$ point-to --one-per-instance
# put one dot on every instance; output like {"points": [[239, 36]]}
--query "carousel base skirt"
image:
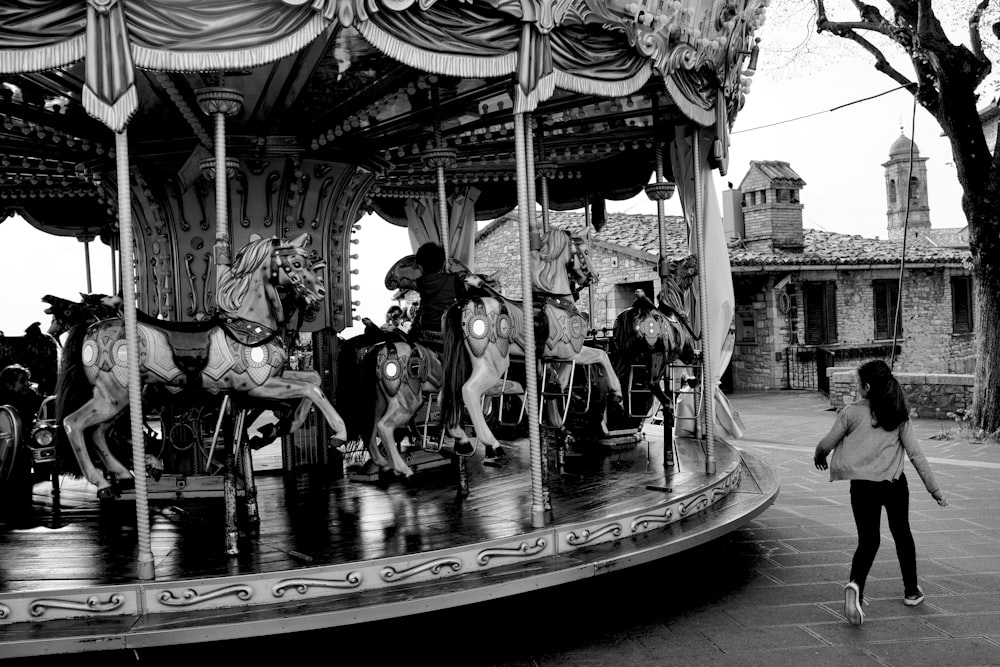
{"points": [[332, 552]]}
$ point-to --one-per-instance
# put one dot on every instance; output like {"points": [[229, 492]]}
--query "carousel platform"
{"points": [[331, 552]]}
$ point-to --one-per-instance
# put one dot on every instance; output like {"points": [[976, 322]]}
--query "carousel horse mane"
{"points": [[680, 275], [549, 272], [243, 278]]}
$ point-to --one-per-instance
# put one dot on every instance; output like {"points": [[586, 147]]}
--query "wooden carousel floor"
{"points": [[309, 521]]}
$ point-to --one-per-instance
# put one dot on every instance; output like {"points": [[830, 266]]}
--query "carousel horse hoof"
{"points": [[154, 472], [465, 449], [109, 493], [338, 443], [495, 452]]}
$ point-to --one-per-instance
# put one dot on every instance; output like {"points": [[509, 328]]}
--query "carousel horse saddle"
{"points": [[505, 388], [189, 341]]}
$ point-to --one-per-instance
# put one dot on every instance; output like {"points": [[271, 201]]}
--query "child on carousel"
{"points": [[438, 290]]}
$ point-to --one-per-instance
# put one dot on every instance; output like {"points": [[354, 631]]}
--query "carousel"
{"points": [[226, 151]]}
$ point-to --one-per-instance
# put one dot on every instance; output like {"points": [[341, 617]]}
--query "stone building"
{"points": [[806, 299]]}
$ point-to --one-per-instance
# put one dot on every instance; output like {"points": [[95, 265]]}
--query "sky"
{"points": [[838, 153]]}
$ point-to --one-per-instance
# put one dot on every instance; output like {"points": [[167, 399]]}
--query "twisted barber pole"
{"points": [[707, 377], [146, 567], [220, 102], [439, 157], [527, 303]]}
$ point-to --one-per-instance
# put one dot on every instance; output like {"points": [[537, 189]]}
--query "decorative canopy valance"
{"points": [[598, 47]]}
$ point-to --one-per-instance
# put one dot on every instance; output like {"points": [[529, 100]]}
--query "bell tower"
{"points": [[902, 182]]}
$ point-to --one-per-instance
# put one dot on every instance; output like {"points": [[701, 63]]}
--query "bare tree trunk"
{"points": [[986, 404]]}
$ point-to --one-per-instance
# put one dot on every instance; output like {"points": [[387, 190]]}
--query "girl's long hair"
{"points": [[885, 397]]}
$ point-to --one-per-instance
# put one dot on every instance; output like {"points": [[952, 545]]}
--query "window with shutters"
{"points": [[746, 325], [885, 296], [961, 304], [821, 312]]}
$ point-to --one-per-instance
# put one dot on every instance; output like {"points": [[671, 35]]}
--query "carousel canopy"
{"points": [[383, 82]]}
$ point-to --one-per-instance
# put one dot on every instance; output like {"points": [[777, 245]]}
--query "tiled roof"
{"points": [[638, 234], [950, 237], [776, 172]]}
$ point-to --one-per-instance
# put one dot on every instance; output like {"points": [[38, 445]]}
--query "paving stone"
{"points": [[793, 614], [967, 625], [894, 629], [832, 656], [748, 639], [938, 652]]}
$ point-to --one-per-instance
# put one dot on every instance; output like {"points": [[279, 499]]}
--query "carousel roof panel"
{"points": [[325, 81]]}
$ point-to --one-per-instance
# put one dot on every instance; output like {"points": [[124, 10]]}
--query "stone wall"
{"points": [[754, 364], [497, 253], [931, 395], [928, 344]]}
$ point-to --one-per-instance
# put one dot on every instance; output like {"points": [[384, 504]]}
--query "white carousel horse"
{"points": [[481, 334], [240, 350]]}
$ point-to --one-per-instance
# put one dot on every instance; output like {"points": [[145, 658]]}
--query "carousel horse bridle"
{"points": [[287, 259], [580, 256]]}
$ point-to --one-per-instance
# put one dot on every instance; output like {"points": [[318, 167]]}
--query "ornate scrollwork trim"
{"points": [[643, 520], [588, 536], [4, 612], [91, 605], [694, 505], [302, 585], [192, 597], [523, 550], [390, 573]]}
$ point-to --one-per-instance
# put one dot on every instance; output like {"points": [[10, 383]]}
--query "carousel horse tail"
{"points": [[455, 366], [72, 391], [346, 396], [361, 420]]}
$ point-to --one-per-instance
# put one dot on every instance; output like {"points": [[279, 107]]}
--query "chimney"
{"points": [[732, 214], [772, 212]]}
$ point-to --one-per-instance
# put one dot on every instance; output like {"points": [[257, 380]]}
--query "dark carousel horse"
{"points": [[651, 337], [239, 351]]}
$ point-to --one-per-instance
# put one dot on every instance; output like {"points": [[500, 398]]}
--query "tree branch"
{"points": [[974, 37], [846, 31]]}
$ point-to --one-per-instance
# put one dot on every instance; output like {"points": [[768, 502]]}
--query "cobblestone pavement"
{"points": [[768, 594], [772, 593]]}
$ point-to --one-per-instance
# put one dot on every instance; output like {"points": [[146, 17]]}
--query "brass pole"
{"points": [[86, 256], [707, 380], [145, 566], [530, 362]]}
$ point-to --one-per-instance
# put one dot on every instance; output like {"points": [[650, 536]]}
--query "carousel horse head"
{"points": [[295, 267], [564, 264], [263, 273], [581, 268], [92, 307]]}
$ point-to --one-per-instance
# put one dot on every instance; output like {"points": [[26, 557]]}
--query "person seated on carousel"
{"points": [[393, 319], [17, 391], [438, 290]]}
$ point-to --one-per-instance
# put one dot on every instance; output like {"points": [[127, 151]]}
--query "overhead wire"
{"points": [[817, 113]]}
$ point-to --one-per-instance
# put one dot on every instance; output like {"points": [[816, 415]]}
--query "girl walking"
{"points": [[868, 441]]}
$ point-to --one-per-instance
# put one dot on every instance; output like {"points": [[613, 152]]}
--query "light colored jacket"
{"points": [[864, 451]]}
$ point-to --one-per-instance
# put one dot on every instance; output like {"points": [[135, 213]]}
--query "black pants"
{"points": [[867, 501]]}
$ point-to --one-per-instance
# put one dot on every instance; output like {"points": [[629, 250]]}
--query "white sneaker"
{"points": [[852, 604], [913, 599]]}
